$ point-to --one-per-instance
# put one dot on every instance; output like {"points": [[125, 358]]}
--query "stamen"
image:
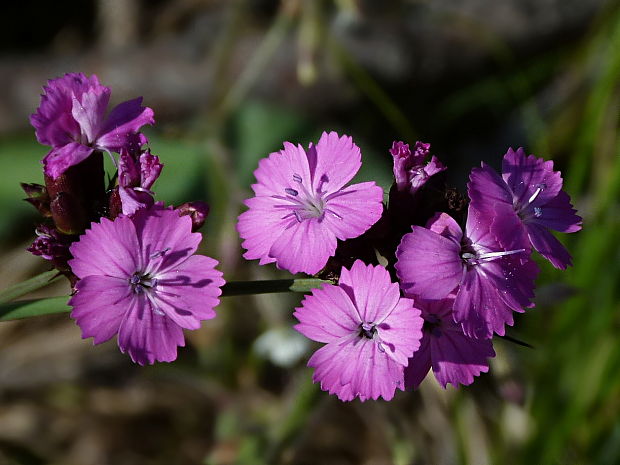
{"points": [[537, 212], [296, 178], [368, 330], [292, 192], [499, 254], [298, 216], [539, 189], [161, 253]]}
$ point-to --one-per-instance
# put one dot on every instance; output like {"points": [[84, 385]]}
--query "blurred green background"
{"points": [[229, 81]]}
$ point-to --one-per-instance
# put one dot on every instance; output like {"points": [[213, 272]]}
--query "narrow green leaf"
{"points": [[30, 285], [34, 307]]}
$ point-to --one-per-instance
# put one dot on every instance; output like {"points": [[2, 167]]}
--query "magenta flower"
{"points": [[136, 175], [490, 278], [534, 191], [71, 119], [455, 358], [139, 279], [369, 330], [302, 208], [410, 170]]}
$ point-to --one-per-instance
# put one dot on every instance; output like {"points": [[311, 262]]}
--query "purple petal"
{"points": [[190, 291], [259, 226], [444, 225], [304, 247], [119, 258], [276, 173], [327, 315], [457, 359], [558, 214], [419, 364], [53, 122], [353, 210], [89, 110], [150, 169], [428, 265], [372, 291], [99, 306], [148, 337], [59, 159], [133, 200], [337, 161], [524, 174], [548, 246], [164, 234], [370, 372], [478, 306], [123, 121], [401, 331]]}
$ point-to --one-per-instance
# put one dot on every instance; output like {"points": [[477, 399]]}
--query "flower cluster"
{"points": [[131, 260], [460, 285], [463, 264]]}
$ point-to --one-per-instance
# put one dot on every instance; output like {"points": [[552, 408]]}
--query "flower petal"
{"points": [[428, 264], [59, 159], [337, 159], [548, 246], [189, 292], [304, 247], [161, 230], [419, 364], [524, 174], [371, 289], [89, 110], [353, 210], [457, 359], [401, 331], [559, 214], [119, 258], [259, 227], [100, 305], [148, 337], [327, 315], [123, 121]]}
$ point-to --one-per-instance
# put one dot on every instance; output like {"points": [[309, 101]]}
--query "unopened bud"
{"points": [[198, 212]]}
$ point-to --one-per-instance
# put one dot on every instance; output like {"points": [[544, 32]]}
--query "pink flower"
{"points": [[369, 330], [530, 188], [491, 278], [139, 279], [72, 120], [301, 208], [455, 358]]}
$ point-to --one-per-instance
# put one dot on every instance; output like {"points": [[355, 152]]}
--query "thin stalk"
{"points": [[30, 285], [36, 307]]}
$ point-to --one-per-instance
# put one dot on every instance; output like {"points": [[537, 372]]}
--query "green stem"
{"points": [[30, 285], [36, 307]]}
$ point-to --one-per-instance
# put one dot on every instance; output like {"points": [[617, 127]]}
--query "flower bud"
{"points": [[198, 212]]}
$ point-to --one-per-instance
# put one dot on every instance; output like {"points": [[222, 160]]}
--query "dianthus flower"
{"points": [[369, 330], [410, 169], [490, 278], [72, 120], [139, 279], [455, 358], [534, 191], [302, 208]]}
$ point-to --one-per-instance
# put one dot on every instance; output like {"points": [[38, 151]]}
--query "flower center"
{"points": [[472, 257], [525, 210], [141, 282], [305, 203], [432, 324], [368, 330]]}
